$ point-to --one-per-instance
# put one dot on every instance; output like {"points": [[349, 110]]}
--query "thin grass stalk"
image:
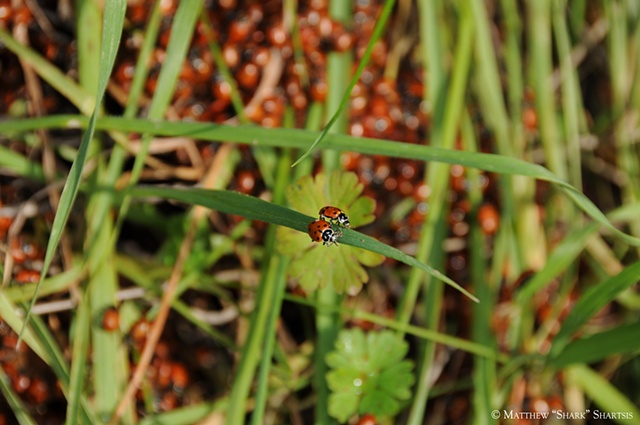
{"points": [[252, 350], [104, 199], [329, 323], [113, 12], [13, 400], [431, 46], [280, 264], [110, 367], [417, 331], [107, 368], [514, 76], [223, 68], [79, 355], [438, 179], [515, 193], [263, 322], [571, 99], [184, 24], [617, 14], [438, 174], [539, 40], [484, 370]]}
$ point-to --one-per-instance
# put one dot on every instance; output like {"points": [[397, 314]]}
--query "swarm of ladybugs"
{"points": [[320, 230]]}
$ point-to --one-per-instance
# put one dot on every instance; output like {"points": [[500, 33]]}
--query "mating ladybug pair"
{"points": [[321, 231]]}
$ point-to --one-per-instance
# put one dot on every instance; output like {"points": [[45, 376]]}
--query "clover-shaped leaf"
{"points": [[315, 265], [368, 374]]}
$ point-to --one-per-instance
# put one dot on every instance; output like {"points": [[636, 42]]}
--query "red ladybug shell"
{"points": [[321, 231], [334, 214]]}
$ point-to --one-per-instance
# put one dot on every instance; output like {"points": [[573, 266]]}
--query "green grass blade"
{"points": [[184, 22], [377, 32], [12, 161], [181, 30], [607, 397], [279, 265], [114, 16], [52, 75], [51, 285], [559, 260], [592, 301], [299, 139], [256, 209], [15, 322], [619, 340], [418, 331], [14, 402], [187, 415], [79, 355]]}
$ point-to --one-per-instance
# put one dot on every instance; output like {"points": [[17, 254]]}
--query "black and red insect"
{"points": [[334, 215], [321, 231]]}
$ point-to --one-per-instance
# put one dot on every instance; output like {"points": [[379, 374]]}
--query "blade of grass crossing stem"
{"points": [[181, 32], [256, 209], [114, 16], [592, 301], [607, 397], [79, 354], [295, 138], [377, 32]]}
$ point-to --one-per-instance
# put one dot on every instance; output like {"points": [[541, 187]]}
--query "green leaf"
{"points": [[619, 340], [343, 405], [315, 265], [607, 397], [385, 350], [379, 404], [593, 300], [368, 374]]}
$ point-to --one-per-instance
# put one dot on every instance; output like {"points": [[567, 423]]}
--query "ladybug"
{"points": [[320, 230], [335, 215]]}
